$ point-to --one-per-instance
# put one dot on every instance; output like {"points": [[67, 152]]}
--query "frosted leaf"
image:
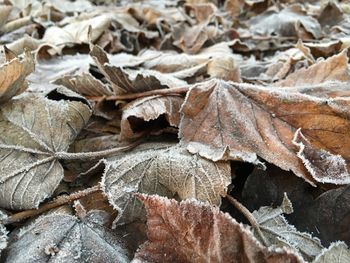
{"points": [[132, 81], [337, 252], [191, 231], [13, 74], [277, 231], [65, 238], [163, 169], [223, 120], [3, 234], [150, 114], [33, 128]]}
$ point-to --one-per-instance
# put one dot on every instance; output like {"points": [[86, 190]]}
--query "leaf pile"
{"points": [[174, 131]]}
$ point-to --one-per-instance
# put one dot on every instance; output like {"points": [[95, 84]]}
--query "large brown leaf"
{"points": [[164, 169], [33, 128], [13, 74], [223, 120], [150, 114], [191, 231]]}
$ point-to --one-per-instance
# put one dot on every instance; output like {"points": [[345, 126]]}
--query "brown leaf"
{"points": [[13, 76], [224, 68], [230, 121], [334, 68], [150, 114], [33, 128], [164, 169], [191, 231]]}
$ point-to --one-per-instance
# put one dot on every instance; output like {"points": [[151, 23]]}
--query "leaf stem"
{"points": [[62, 200], [249, 216]]}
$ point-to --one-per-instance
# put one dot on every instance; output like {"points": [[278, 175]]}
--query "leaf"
{"points": [[132, 81], [5, 11], [33, 129], [223, 120], [191, 231], [65, 238], [3, 234], [337, 252], [279, 232], [334, 68], [290, 21], [150, 114], [13, 74], [164, 169]]}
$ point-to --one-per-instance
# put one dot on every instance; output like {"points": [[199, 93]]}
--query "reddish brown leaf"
{"points": [[150, 114], [191, 231], [222, 120]]}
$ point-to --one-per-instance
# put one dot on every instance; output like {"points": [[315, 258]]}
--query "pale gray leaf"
{"points": [[337, 252], [163, 169]]}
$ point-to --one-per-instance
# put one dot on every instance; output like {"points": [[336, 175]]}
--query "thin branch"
{"points": [[248, 215], [93, 155], [62, 200], [132, 96]]}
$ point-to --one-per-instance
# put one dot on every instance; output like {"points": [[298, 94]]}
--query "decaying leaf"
{"points": [[131, 81], [13, 76], [191, 231], [163, 169], [33, 130], [65, 238], [337, 252], [3, 234], [150, 114], [334, 68], [277, 231], [223, 120]]}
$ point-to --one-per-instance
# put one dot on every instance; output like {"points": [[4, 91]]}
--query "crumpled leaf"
{"points": [[191, 231], [33, 129], [163, 169], [132, 81], [337, 252], [334, 68], [65, 238], [13, 74], [3, 234], [150, 114], [277, 231], [290, 21], [223, 120]]}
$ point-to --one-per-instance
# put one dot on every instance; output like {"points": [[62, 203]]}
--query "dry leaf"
{"points": [[65, 238], [132, 81], [150, 114], [277, 231], [163, 169], [191, 231], [333, 69], [33, 129], [13, 76], [224, 120], [337, 252], [3, 234]]}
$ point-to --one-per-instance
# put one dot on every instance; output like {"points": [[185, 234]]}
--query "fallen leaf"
{"points": [[33, 129], [334, 68], [223, 120], [337, 252], [3, 234], [191, 231], [65, 238], [150, 114], [13, 76], [277, 231], [164, 169]]}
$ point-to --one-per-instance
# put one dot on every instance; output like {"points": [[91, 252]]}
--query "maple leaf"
{"points": [[223, 120], [164, 169], [191, 231]]}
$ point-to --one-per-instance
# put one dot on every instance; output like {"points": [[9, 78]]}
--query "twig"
{"points": [[132, 96], [248, 215], [62, 200]]}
